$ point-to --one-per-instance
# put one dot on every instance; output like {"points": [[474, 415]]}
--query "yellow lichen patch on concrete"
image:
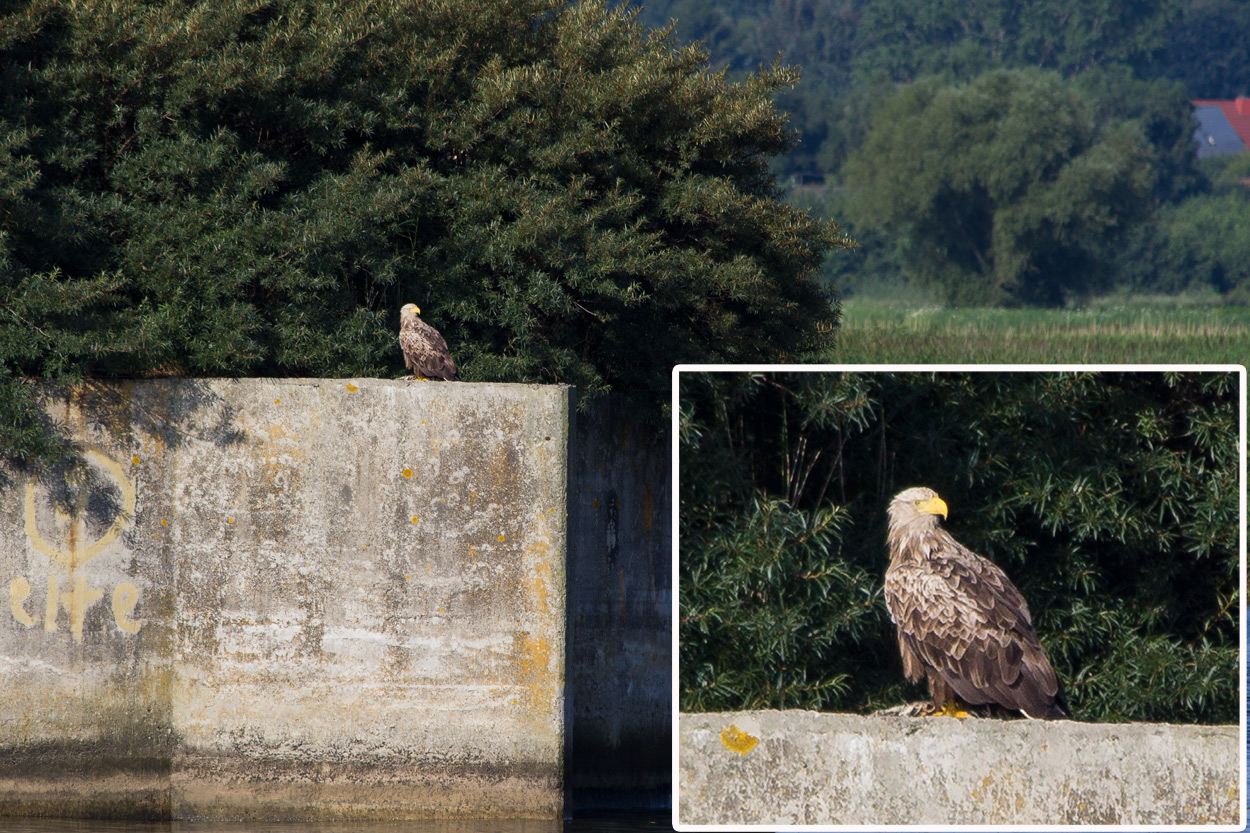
{"points": [[277, 431], [351, 388], [736, 740], [406, 472], [534, 672], [538, 585]]}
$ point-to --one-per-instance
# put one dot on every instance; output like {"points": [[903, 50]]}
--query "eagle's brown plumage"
{"points": [[425, 350], [961, 622]]}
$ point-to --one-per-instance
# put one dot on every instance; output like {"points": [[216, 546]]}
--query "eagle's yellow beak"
{"points": [[933, 506], [416, 309]]}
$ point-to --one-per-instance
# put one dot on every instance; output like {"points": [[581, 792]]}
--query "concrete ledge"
{"points": [[786, 768]]}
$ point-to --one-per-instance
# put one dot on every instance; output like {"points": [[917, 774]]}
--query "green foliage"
{"points": [[1015, 196], [754, 565], [751, 586], [1111, 499], [853, 51], [227, 188], [1199, 244], [1208, 50], [1136, 65], [911, 38], [1164, 114], [876, 261], [1207, 241]]}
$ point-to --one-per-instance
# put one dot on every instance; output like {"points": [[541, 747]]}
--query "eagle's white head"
{"points": [[915, 508]]}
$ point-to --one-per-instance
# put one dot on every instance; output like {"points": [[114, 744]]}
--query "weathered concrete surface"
{"points": [[807, 768], [289, 599], [619, 695]]}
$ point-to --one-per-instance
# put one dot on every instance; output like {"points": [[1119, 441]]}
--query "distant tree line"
{"points": [[1114, 197], [1110, 499]]}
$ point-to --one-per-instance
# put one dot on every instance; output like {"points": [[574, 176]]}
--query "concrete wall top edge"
{"points": [[310, 380], [810, 768], [1005, 724]]}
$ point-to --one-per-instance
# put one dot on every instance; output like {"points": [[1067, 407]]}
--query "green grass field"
{"points": [[1130, 333]]}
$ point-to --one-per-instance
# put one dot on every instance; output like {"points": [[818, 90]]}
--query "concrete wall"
{"points": [[805, 768], [289, 598], [620, 613]]}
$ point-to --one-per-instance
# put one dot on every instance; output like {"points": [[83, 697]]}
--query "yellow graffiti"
{"points": [[75, 602], [125, 597], [19, 591], [75, 555]]}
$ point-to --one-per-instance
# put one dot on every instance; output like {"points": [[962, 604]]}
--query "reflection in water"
{"points": [[656, 822]]}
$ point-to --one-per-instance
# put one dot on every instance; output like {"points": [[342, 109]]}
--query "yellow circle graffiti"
{"points": [[80, 552]]}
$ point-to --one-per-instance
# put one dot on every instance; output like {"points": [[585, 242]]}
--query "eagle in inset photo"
{"points": [[425, 349], [961, 622]]}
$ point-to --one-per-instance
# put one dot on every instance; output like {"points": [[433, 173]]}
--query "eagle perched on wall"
{"points": [[425, 349], [961, 622]]}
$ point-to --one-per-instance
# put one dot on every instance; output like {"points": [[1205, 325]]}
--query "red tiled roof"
{"points": [[1236, 111]]}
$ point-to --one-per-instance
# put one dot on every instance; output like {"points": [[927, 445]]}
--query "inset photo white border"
{"points": [[756, 735]]}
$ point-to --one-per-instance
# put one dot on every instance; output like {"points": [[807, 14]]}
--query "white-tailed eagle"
{"points": [[425, 349], [961, 622]]}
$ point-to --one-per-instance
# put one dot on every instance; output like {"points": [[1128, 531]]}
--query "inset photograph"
{"points": [[961, 596]]}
